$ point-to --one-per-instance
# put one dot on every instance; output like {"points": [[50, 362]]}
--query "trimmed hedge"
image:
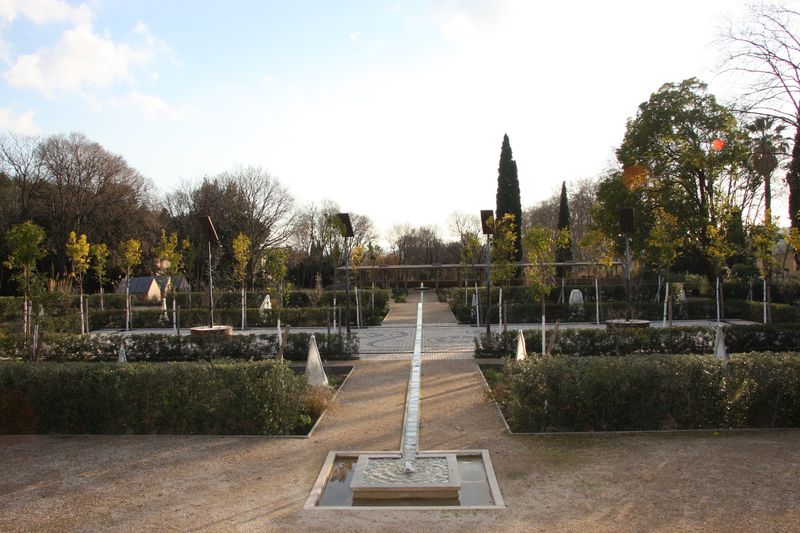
{"points": [[783, 292], [292, 298], [263, 398], [676, 340], [689, 310], [651, 393], [298, 317], [94, 348]]}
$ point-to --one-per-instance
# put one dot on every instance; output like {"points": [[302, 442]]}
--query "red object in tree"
{"points": [[717, 145]]}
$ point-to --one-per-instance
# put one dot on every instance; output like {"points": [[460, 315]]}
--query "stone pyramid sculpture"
{"points": [[522, 353], [315, 373], [720, 350]]}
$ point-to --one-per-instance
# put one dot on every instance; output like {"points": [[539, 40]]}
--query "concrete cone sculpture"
{"points": [[720, 350], [522, 353], [122, 357], [315, 373]]}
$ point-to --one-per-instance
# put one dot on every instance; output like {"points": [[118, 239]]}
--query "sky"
{"points": [[392, 109]]}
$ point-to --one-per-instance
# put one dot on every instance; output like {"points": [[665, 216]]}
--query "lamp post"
{"points": [[487, 216], [626, 229], [211, 235], [346, 227]]}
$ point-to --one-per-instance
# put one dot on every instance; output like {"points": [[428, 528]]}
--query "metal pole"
{"points": [[488, 316], [347, 286], [627, 278], [210, 290]]}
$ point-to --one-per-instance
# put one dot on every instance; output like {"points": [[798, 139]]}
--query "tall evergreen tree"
{"points": [[508, 199], [564, 250]]}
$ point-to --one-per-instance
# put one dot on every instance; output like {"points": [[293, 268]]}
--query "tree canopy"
{"points": [[686, 153]]}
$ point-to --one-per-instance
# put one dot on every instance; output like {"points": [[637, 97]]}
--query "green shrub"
{"points": [[651, 392], [263, 398], [94, 348], [298, 317], [647, 310], [676, 340]]}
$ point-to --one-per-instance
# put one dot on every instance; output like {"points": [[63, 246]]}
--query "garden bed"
{"points": [[655, 392], [217, 398]]}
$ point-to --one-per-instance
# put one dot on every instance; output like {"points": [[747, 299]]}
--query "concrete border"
{"points": [[327, 466]]}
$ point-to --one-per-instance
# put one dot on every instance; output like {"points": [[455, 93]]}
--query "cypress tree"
{"points": [[564, 252], [793, 180], [508, 198]]}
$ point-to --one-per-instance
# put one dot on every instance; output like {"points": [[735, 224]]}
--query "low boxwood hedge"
{"points": [[689, 310], [298, 317], [677, 340], [260, 398], [650, 392], [96, 348]]}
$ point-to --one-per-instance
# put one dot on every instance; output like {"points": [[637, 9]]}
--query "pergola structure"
{"points": [[435, 275]]}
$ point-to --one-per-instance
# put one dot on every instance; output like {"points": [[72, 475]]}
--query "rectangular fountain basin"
{"points": [[380, 477]]}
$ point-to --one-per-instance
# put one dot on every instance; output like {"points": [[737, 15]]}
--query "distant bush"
{"points": [[262, 398], [675, 340], [651, 392], [647, 310]]}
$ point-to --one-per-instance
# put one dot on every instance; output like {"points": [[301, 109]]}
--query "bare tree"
{"points": [[20, 160], [264, 209], [91, 190], [764, 51], [582, 193]]}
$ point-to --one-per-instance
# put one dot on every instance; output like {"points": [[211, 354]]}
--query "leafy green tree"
{"points": [[763, 237], [242, 252], [564, 252], [768, 146], [504, 248], [508, 195], [130, 255], [540, 245], [695, 163], [664, 244], [169, 254], [25, 248], [77, 250], [598, 248], [99, 260]]}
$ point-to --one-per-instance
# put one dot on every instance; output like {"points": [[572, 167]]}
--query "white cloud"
{"points": [[43, 11], [149, 105], [354, 36], [17, 122], [81, 59], [84, 61]]}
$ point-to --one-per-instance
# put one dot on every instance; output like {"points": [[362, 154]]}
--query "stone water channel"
{"points": [[410, 477]]}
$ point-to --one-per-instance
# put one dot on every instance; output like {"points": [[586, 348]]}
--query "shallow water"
{"points": [[474, 487]]}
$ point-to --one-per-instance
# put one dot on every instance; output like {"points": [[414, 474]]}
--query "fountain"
{"points": [[408, 478], [411, 475]]}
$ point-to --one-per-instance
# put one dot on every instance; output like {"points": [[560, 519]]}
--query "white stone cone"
{"points": [[315, 373], [522, 353], [720, 351], [121, 356]]}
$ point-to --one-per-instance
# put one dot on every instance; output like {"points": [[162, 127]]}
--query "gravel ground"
{"points": [[745, 481]]}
